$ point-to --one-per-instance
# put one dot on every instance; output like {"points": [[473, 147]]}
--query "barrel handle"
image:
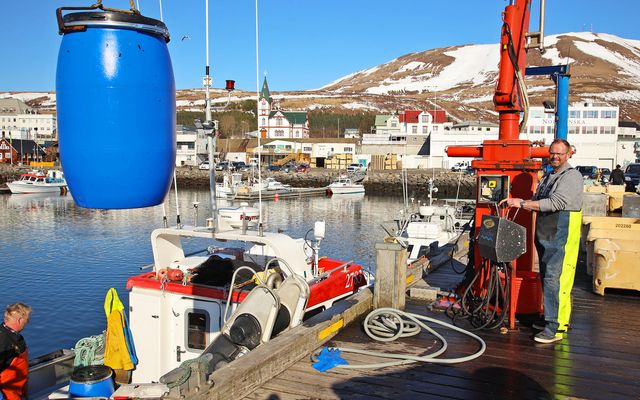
{"points": [[62, 28]]}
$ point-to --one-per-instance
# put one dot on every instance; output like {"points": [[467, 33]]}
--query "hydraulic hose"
{"points": [[388, 324]]}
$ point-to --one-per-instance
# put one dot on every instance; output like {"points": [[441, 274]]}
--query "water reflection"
{"points": [[62, 259]]}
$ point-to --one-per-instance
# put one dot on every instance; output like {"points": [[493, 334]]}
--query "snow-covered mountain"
{"points": [[460, 79]]}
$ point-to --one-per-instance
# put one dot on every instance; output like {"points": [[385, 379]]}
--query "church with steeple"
{"points": [[274, 123]]}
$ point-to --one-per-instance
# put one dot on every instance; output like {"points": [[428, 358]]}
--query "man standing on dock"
{"points": [[558, 203], [617, 176], [14, 361]]}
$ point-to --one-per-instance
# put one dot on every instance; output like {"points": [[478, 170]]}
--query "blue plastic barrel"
{"points": [[116, 109], [91, 381]]}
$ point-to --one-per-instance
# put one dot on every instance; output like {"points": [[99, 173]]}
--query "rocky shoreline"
{"points": [[379, 182]]}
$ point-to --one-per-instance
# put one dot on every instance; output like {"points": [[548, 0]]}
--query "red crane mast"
{"points": [[507, 167]]}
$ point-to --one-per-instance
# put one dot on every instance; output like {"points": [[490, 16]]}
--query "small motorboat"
{"points": [[229, 186], [344, 185], [36, 181]]}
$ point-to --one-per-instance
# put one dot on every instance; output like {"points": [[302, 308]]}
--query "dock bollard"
{"points": [[391, 276]]}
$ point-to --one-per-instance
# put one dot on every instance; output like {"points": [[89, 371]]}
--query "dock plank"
{"points": [[598, 358]]}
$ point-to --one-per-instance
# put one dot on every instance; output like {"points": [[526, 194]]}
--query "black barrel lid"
{"points": [[91, 374], [114, 19]]}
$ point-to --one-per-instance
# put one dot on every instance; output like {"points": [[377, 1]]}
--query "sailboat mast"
{"points": [[260, 227], [210, 126]]}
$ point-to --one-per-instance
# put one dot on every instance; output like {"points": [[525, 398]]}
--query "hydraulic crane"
{"points": [[507, 167]]}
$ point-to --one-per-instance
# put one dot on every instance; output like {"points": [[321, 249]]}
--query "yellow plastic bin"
{"points": [[616, 200], [616, 264], [606, 228]]}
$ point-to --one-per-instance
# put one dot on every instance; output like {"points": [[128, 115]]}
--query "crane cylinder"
{"points": [[116, 109]]}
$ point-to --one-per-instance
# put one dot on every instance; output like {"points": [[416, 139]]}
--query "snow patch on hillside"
{"points": [[553, 55], [627, 66], [480, 99], [413, 65], [25, 96], [359, 106], [622, 95]]}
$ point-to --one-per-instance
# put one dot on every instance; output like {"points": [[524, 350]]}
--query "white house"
{"points": [[274, 123], [186, 138], [466, 133], [406, 133], [19, 121]]}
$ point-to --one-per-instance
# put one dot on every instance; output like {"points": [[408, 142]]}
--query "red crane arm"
{"points": [[513, 60]]}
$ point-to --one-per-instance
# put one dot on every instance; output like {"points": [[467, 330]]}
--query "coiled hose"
{"points": [[388, 324]]}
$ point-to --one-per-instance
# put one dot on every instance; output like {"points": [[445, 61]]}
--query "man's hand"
{"points": [[511, 202]]}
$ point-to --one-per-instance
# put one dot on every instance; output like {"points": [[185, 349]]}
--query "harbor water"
{"points": [[61, 259]]}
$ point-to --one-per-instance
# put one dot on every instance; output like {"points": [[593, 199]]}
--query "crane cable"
{"points": [[524, 97]]}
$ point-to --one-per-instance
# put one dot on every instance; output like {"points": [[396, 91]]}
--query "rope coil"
{"points": [[388, 324]]}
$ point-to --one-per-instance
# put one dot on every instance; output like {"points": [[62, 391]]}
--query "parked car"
{"points": [[204, 165], [355, 167], [273, 168], [288, 167], [587, 171], [222, 166], [605, 175], [303, 168], [460, 166], [632, 177], [239, 166]]}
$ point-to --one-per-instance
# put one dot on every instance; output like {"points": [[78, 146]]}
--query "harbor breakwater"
{"points": [[377, 182]]}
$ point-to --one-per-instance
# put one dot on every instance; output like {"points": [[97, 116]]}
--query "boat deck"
{"points": [[598, 359]]}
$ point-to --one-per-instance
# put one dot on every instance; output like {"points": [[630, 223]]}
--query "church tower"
{"points": [[264, 109]]}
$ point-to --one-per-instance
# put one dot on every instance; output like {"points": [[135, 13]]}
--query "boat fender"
{"points": [[162, 274], [174, 274]]}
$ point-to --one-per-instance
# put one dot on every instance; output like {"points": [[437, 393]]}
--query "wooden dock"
{"points": [[282, 194], [598, 359]]}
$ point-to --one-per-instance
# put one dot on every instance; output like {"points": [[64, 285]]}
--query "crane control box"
{"points": [[500, 239], [493, 188]]}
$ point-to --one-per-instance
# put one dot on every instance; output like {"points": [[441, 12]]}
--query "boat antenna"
{"points": [[211, 127], [164, 215], [165, 223], [260, 227], [175, 187]]}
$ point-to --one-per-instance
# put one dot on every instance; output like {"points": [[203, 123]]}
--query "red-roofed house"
{"points": [[410, 129]]}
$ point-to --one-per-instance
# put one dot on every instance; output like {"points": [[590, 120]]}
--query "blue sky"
{"points": [[304, 44]]}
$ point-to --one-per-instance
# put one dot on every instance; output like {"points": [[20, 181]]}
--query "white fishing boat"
{"points": [[228, 188], [423, 230], [39, 182], [344, 185]]}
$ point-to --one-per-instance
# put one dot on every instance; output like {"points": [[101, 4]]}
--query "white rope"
{"points": [[388, 324]]}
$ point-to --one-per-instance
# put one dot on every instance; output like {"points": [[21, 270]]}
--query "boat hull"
{"points": [[353, 189], [19, 187]]}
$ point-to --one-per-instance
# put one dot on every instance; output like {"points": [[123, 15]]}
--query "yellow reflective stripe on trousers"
{"points": [[571, 248]]}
